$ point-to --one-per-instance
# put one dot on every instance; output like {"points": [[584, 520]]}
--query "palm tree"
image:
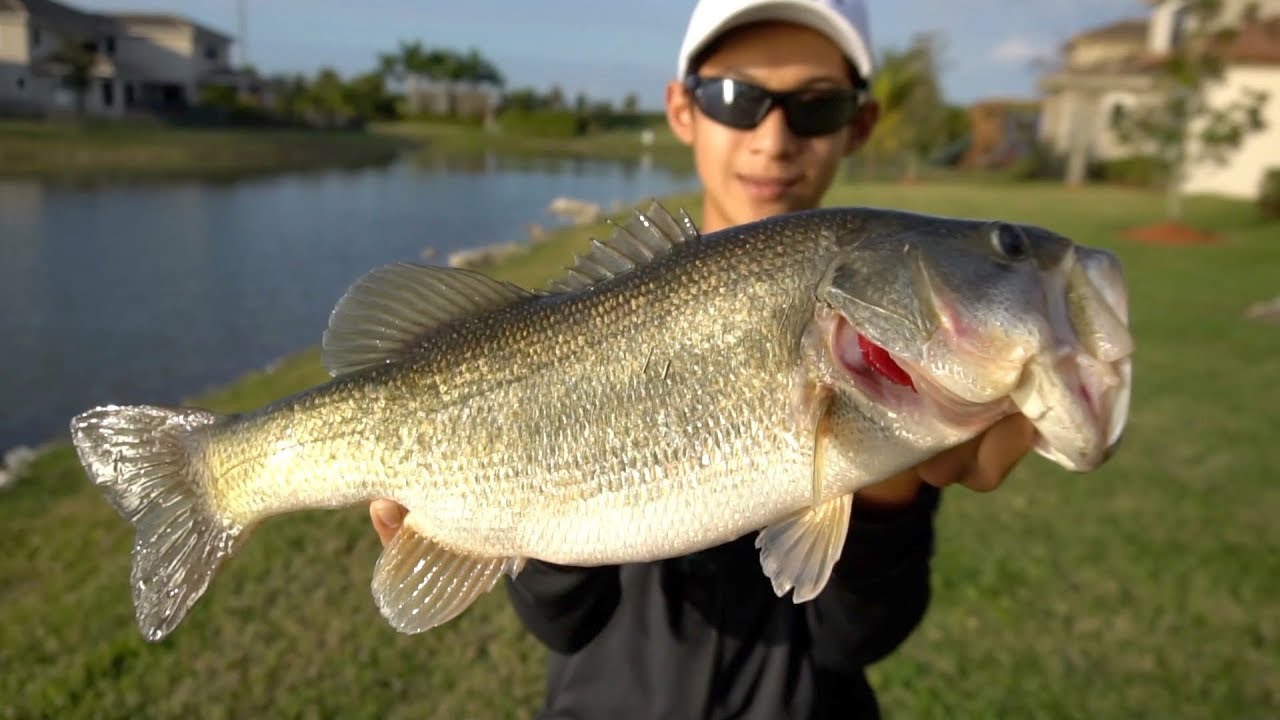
{"points": [[911, 108]]}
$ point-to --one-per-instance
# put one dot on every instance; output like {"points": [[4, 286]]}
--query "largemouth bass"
{"points": [[672, 392]]}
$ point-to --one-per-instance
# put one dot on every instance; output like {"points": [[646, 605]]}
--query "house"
{"points": [[1001, 132], [142, 62], [1111, 69]]}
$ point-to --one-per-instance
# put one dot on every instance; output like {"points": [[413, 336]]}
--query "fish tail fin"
{"points": [[141, 458]]}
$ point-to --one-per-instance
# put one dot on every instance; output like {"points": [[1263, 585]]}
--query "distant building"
{"points": [[143, 62], [1001, 132], [1111, 69], [429, 96]]}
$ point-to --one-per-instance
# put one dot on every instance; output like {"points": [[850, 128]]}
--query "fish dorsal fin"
{"points": [[388, 310], [646, 237], [800, 551], [419, 584]]}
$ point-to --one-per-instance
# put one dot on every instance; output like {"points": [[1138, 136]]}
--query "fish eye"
{"points": [[1010, 242]]}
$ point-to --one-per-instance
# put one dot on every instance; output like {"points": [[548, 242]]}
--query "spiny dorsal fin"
{"points": [[646, 237], [388, 310]]}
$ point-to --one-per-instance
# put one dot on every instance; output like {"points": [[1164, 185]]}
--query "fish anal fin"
{"points": [[799, 552], [419, 584], [387, 312]]}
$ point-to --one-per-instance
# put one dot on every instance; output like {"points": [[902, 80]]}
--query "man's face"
{"points": [[752, 174]]}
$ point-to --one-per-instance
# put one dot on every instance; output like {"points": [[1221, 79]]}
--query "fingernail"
{"points": [[389, 516]]}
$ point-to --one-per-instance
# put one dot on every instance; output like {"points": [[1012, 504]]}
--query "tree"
{"points": [[73, 60], [326, 99], [367, 96], [555, 98], [913, 115], [631, 103], [1180, 128]]}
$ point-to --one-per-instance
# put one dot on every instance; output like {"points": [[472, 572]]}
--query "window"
{"points": [[211, 53], [108, 93], [109, 44], [22, 82], [35, 36]]}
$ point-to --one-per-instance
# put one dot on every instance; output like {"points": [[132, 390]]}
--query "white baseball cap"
{"points": [[843, 21]]}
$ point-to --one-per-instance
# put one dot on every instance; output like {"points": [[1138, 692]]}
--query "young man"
{"points": [[770, 96]]}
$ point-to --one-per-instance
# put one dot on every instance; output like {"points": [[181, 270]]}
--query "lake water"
{"points": [[149, 293]]}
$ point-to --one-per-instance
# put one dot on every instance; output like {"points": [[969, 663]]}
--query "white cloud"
{"points": [[1021, 50]]}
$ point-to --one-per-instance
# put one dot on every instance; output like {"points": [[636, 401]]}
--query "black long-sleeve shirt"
{"points": [[704, 635]]}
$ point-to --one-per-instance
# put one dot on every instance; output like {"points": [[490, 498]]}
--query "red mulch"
{"points": [[1170, 233]]}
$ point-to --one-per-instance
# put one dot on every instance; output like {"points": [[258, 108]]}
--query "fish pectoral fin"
{"points": [[799, 552], [388, 311], [419, 584]]}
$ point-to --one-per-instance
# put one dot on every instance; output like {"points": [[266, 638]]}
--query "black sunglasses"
{"points": [[741, 105]]}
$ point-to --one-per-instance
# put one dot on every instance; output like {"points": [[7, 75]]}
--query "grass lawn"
{"points": [[620, 145], [1150, 588], [151, 151]]}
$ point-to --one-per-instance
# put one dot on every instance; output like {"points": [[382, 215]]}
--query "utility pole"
{"points": [[242, 22]]}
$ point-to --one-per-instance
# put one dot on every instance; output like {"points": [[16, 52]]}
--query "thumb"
{"points": [[387, 517]]}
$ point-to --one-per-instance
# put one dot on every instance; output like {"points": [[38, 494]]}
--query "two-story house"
{"points": [[1109, 70], [142, 62]]}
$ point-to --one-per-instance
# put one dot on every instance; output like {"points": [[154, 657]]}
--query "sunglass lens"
{"points": [[813, 115], [733, 103]]}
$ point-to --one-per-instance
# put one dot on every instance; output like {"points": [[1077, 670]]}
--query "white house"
{"points": [[1110, 69], [143, 62]]}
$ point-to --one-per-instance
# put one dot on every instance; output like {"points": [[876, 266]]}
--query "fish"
{"points": [[672, 391]]}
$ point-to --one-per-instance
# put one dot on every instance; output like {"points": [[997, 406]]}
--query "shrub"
{"points": [[542, 123], [1139, 171]]}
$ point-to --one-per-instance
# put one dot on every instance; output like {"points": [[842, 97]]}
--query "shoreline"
{"points": [[137, 151]]}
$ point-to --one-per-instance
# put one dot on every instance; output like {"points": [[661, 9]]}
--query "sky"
{"points": [[608, 49]]}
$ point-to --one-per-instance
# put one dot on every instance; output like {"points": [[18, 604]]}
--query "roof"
{"points": [[1256, 43], [1132, 30], [56, 15], [146, 18], [59, 16]]}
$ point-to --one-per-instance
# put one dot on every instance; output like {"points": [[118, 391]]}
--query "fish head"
{"points": [[962, 322]]}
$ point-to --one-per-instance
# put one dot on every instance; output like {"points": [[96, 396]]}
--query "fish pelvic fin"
{"points": [[140, 457], [799, 552], [419, 584]]}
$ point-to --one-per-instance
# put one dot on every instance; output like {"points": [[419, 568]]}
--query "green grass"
{"points": [[135, 150], [1147, 589], [618, 145]]}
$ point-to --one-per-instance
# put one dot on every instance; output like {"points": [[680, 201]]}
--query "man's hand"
{"points": [[387, 517], [981, 464]]}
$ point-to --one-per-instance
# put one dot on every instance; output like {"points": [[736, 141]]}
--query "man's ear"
{"points": [[679, 112], [862, 125]]}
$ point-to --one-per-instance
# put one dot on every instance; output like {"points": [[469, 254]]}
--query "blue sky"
{"points": [[607, 48]]}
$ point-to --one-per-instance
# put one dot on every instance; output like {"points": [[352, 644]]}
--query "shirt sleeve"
{"points": [[564, 607], [879, 589]]}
